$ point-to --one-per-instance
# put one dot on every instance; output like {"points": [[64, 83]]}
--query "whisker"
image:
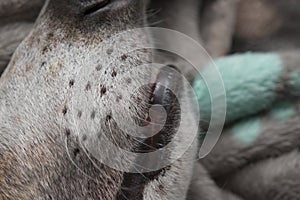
{"points": [[109, 126]]}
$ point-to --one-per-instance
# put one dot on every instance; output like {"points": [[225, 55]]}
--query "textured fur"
{"points": [[67, 70], [69, 80]]}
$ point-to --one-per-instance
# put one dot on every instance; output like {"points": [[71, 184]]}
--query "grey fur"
{"points": [[64, 67], [64, 85]]}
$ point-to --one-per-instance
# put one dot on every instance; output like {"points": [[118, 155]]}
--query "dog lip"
{"points": [[134, 184], [168, 85], [167, 77]]}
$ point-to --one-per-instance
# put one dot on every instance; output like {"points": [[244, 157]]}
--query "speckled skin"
{"points": [[67, 82]]}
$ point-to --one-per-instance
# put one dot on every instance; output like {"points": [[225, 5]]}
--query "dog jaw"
{"points": [[65, 84]]}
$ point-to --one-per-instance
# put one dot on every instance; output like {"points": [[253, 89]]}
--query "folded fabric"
{"points": [[257, 155], [253, 82]]}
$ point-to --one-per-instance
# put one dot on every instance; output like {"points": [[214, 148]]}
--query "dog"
{"points": [[69, 85]]}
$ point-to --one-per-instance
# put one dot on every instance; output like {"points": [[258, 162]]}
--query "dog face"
{"points": [[71, 86]]}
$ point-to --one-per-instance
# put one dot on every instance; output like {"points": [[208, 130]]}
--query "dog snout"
{"points": [[94, 6], [98, 6]]}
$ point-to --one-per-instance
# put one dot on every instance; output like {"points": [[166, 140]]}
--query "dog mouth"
{"points": [[167, 85], [164, 94]]}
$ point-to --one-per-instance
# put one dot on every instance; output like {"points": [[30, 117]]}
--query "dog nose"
{"points": [[81, 8], [92, 6]]}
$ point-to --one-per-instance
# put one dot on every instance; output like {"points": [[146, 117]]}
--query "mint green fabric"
{"points": [[247, 131], [283, 111], [250, 82], [295, 83]]}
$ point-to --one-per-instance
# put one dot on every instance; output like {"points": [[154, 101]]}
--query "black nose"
{"points": [[92, 6], [79, 7]]}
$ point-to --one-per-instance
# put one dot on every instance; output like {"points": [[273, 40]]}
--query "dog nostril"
{"points": [[96, 6]]}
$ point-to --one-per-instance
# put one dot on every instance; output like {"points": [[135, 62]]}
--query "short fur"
{"points": [[66, 71]]}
